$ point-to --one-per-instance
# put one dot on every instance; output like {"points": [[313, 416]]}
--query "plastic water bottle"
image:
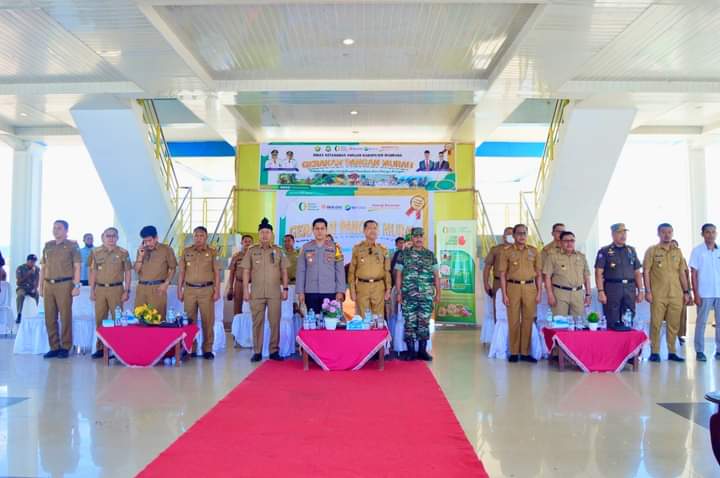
{"points": [[170, 316], [167, 361], [124, 319], [118, 315], [311, 319], [571, 322], [172, 361], [603, 323], [627, 318]]}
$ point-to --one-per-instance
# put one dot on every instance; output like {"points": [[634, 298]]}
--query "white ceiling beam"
{"points": [[66, 88], [320, 2], [677, 130], [594, 87], [403, 84], [31, 132]]}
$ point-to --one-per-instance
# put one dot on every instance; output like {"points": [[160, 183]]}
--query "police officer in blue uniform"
{"points": [[618, 277]]}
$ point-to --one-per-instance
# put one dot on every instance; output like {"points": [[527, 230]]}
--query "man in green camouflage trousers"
{"points": [[418, 282]]}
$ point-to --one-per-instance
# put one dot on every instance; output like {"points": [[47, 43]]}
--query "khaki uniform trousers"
{"points": [[521, 316], [669, 310], [683, 322], [257, 307], [148, 294], [370, 296], [238, 291], [58, 301], [106, 299], [569, 302], [201, 298]]}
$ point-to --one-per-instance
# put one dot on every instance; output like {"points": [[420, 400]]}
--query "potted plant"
{"points": [[593, 321], [331, 313]]}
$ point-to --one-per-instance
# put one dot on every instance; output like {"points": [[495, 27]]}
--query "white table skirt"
{"points": [[398, 333], [289, 328], [7, 317], [488, 323]]}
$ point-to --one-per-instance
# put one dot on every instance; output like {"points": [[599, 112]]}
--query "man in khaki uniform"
{"points": [[556, 245], [683, 316], [292, 254], [155, 266], [109, 278], [199, 286], [566, 273], [265, 266], [491, 274], [235, 286], [369, 273], [666, 289], [519, 268], [59, 283]]}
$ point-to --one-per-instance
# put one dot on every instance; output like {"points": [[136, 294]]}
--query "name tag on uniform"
{"points": [[310, 256]]}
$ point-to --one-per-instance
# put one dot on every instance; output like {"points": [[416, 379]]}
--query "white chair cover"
{"points": [[499, 342], [488, 325], [398, 338], [642, 322], [31, 335], [219, 340], [83, 333], [7, 318]]}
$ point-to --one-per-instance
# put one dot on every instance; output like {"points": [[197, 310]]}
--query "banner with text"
{"points": [[357, 165], [395, 215], [455, 253]]}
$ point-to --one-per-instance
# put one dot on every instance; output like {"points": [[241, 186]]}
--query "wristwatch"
{"points": [[77, 285], [286, 289]]}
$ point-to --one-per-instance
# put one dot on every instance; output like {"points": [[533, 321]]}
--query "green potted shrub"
{"points": [[593, 321]]}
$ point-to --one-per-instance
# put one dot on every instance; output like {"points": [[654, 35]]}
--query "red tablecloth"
{"points": [[342, 349], [596, 351], [141, 346]]}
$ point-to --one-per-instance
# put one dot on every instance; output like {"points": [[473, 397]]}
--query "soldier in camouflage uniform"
{"points": [[417, 272]]}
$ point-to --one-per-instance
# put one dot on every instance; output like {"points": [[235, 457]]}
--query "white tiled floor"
{"points": [[83, 419]]}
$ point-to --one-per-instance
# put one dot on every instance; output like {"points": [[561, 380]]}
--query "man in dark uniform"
{"points": [[618, 277]]}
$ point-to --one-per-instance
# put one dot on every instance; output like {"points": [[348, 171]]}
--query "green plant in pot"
{"points": [[593, 320]]}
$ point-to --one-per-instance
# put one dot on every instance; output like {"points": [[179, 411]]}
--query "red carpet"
{"points": [[283, 422]]}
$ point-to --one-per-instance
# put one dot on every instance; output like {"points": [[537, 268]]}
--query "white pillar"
{"points": [[698, 190], [26, 203]]}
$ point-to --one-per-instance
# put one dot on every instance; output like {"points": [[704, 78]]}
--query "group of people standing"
{"points": [[662, 278]]}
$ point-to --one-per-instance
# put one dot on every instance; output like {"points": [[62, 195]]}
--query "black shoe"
{"points": [[422, 351], [654, 357], [410, 354], [256, 358], [528, 358], [717, 355], [62, 353], [513, 358], [675, 358], [52, 354], [276, 356], [700, 357], [390, 356], [17, 321], [98, 354], [209, 356]]}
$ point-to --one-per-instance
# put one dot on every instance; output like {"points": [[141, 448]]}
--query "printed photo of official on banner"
{"points": [[357, 165]]}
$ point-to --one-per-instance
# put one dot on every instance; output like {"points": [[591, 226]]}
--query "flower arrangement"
{"points": [[331, 308], [148, 314]]}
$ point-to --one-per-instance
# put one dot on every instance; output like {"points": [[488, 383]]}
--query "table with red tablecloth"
{"points": [[144, 346], [596, 351], [343, 349]]}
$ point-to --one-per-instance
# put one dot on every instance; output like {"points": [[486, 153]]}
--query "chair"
{"points": [[219, 341], [398, 337], [486, 333], [499, 342], [7, 318], [31, 336]]}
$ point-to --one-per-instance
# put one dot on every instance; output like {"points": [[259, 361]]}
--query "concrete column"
{"points": [[26, 205], [698, 190]]}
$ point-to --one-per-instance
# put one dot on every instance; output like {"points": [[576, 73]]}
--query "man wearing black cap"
{"points": [[27, 276], [155, 266], [265, 267]]}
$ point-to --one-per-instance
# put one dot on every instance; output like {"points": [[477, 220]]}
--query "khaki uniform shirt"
{"points": [[665, 265], [109, 266], [550, 249], [265, 264], [493, 260], [58, 260], [157, 263], [369, 261], [520, 264], [199, 264], [236, 264], [567, 270], [292, 264]]}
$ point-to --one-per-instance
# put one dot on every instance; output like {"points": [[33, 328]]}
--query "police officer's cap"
{"points": [[265, 224], [619, 227], [417, 231], [148, 231]]}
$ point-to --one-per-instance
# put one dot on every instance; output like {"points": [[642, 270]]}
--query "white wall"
{"points": [[6, 169]]}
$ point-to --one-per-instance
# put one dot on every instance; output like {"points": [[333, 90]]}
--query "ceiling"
{"points": [[418, 70]]}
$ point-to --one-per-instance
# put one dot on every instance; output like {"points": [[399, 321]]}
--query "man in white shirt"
{"points": [[705, 270]]}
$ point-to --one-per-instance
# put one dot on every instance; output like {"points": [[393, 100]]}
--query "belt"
{"points": [[151, 282], [370, 281], [114, 284], [521, 282], [199, 286], [59, 280], [571, 289], [620, 281]]}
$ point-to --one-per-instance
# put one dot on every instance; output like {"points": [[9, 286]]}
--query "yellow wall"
{"points": [[252, 205]]}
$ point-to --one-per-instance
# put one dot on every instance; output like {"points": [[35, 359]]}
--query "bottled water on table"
{"points": [[571, 322], [627, 318], [170, 316], [118, 315], [124, 319], [603, 323]]}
